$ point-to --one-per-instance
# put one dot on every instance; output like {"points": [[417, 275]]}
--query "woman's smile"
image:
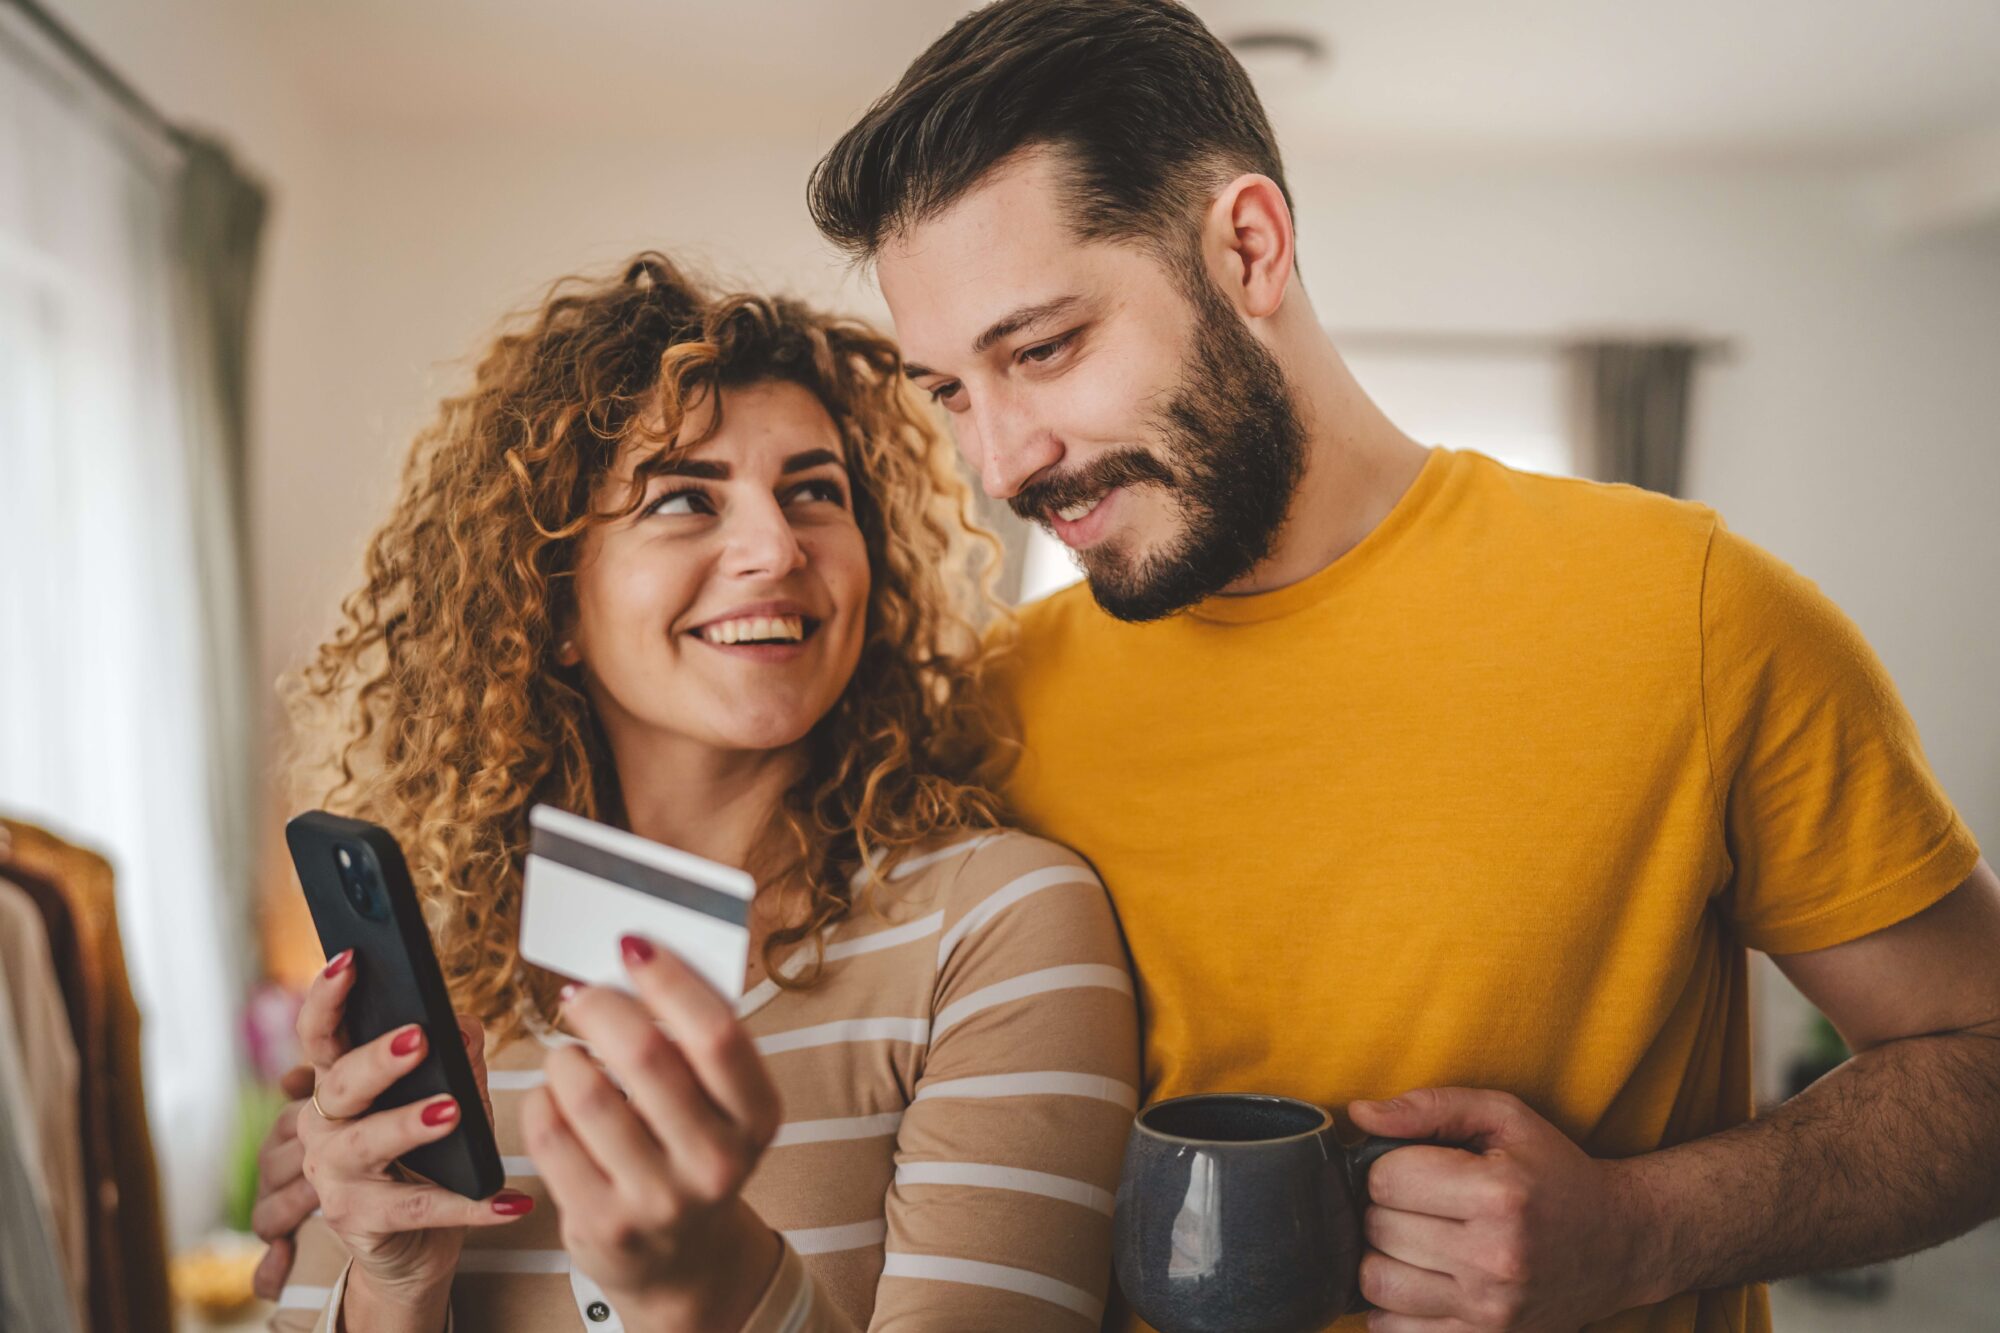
{"points": [[760, 632]]}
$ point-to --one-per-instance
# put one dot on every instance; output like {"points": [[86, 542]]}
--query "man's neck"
{"points": [[1357, 464]]}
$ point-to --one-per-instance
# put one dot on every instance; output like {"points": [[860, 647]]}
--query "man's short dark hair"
{"points": [[1151, 113]]}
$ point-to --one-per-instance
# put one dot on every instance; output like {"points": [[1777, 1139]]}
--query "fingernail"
{"points": [[407, 1040], [508, 1203], [440, 1113], [338, 963], [569, 991], [637, 949]]}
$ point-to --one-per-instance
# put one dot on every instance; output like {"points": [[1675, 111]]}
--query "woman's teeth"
{"points": [[756, 629], [1072, 513]]}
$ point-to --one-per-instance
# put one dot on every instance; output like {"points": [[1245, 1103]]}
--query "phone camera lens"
{"points": [[359, 886]]}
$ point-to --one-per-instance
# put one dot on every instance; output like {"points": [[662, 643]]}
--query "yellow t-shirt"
{"points": [[1497, 799]]}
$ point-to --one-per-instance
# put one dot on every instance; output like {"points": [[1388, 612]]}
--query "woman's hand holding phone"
{"points": [[647, 1180], [404, 1236]]}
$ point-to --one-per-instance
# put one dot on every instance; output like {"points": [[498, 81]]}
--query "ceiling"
{"points": [[1854, 81]]}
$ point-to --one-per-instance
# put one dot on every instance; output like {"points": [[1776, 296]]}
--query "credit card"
{"points": [[588, 884]]}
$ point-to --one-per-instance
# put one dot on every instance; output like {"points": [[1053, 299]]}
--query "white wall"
{"points": [[436, 236]]}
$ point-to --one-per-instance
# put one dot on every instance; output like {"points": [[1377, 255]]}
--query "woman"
{"points": [[693, 566]]}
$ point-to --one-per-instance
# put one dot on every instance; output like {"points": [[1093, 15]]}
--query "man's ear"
{"points": [[1247, 242]]}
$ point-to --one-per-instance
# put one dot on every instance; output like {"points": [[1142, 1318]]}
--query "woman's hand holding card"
{"points": [[647, 1179]]}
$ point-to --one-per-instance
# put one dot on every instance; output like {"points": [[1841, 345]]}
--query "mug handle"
{"points": [[1360, 1158]]}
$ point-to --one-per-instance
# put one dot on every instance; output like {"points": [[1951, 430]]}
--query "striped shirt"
{"points": [[957, 1089]]}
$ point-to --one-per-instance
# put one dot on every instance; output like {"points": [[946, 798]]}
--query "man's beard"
{"points": [[1232, 449]]}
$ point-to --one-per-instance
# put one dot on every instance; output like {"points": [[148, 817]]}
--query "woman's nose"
{"points": [[760, 541]]}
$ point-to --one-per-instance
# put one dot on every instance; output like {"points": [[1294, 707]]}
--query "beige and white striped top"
{"points": [[957, 1091]]}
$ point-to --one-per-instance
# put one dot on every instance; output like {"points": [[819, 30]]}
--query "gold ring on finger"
{"points": [[330, 1119]]}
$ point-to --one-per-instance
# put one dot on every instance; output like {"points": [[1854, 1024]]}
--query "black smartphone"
{"points": [[361, 897]]}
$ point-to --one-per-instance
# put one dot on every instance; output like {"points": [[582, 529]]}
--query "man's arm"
{"points": [[285, 1198], [1897, 1149]]}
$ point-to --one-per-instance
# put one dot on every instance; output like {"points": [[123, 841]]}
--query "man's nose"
{"points": [[1014, 445], [760, 541]]}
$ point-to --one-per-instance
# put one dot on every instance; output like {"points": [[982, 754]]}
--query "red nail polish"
{"points": [[440, 1113], [338, 963], [406, 1041], [507, 1203], [637, 950]]}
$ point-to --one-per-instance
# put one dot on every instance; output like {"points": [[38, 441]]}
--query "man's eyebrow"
{"points": [[810, 459], [1016, 320], [1012, 322]]}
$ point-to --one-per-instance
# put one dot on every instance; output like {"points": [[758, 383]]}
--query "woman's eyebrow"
{"points": [[711, 470], [691, 467], [811, 458]]}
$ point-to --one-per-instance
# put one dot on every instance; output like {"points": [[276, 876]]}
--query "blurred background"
{"points": [[1746, 252]]}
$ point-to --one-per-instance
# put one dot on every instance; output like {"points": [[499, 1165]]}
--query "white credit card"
{"points": [[588, 884]]}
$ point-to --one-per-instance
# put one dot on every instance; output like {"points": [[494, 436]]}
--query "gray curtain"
{"points": [[1630, 409], [218, 221]]}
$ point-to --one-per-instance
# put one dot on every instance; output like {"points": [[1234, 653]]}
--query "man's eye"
{"points": [[944, 391], [1045, 351], [682, 502]]}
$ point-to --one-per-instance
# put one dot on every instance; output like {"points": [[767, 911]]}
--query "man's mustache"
{"points": [[1036, 501]]}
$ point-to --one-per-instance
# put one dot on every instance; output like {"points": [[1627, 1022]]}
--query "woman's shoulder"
{"points": [[958, 871], [1004, 889]]}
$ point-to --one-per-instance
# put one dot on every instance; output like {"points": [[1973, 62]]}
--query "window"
{"points": [[103, 737]]}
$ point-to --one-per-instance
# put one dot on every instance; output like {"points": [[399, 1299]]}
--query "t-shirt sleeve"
{"points": [[1834, 823], [1008, 1157]]}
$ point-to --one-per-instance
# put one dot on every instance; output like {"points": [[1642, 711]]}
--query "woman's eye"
{"points": [[829, 491], [681, 502]]}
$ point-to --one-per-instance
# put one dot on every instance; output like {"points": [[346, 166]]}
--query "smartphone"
{"points": [[359, 889]]}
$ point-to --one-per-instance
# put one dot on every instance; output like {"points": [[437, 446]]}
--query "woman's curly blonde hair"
{"points": [[438, 708]]}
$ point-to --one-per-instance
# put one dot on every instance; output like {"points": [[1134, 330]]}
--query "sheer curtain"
{"points": [[108, 732]]}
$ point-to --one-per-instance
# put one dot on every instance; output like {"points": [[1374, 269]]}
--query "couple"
{"points": [[1410, 778]]}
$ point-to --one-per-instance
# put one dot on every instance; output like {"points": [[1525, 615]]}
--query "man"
{"points": [[1413, 777]]}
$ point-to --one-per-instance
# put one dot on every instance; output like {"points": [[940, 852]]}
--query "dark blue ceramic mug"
{"points": [[1241, 1212]]}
